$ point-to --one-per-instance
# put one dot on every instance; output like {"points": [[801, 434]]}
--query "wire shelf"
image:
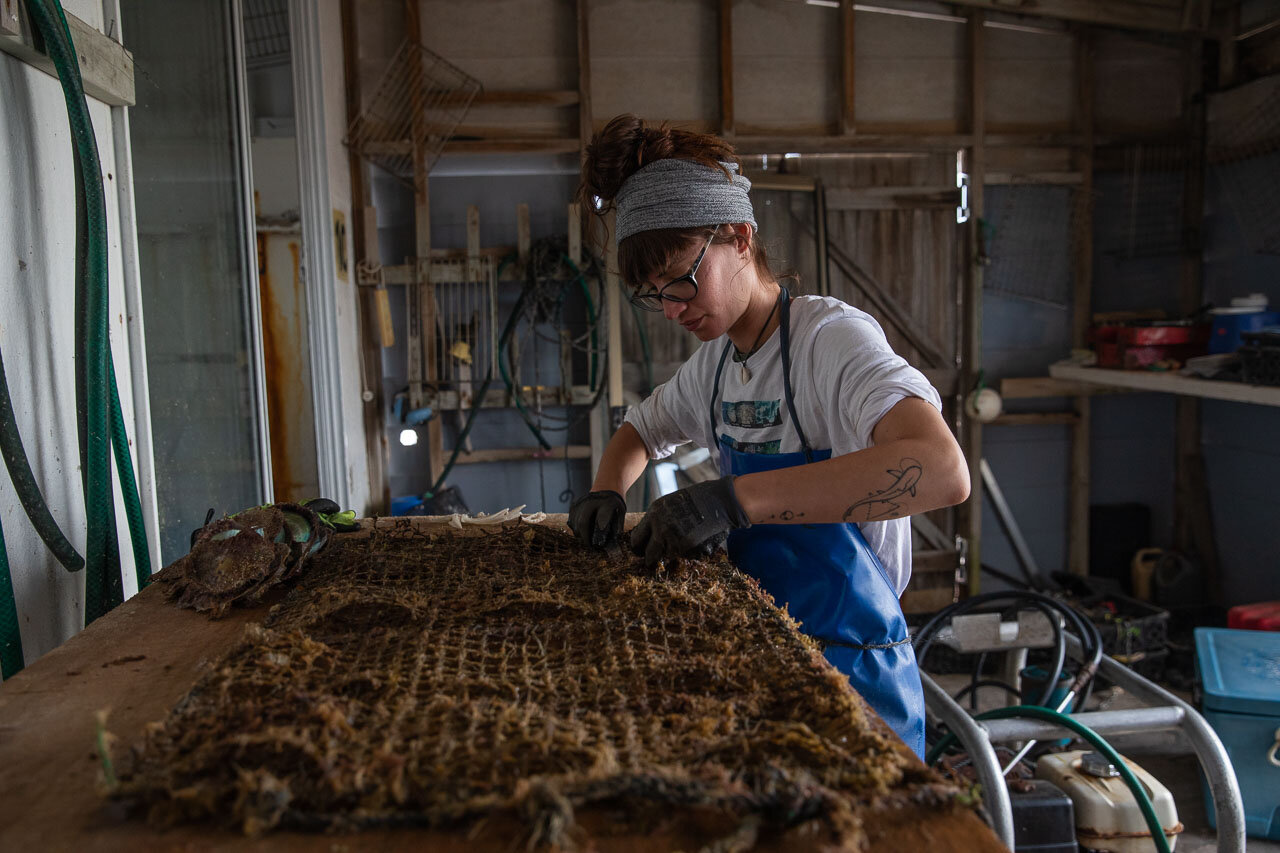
{"points": [[1145, 209], [1244, 157], [414, 109], [266, 32], [1032, 241]]}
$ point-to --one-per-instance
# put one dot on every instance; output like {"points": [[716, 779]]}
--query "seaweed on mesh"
{"points": [[443, 678]]}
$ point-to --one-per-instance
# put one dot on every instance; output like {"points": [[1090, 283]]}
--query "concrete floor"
{"points": [[1163, 755]]}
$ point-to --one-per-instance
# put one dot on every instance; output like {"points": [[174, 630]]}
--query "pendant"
{"points": [[746, 374]]}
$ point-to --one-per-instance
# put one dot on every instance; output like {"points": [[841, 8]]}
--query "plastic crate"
{"points": [[1260, 356], [1133, 631]]}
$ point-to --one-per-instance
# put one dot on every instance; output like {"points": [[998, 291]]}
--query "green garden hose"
{"points": [[1095, 740], [11, 659], [128, 485], [97, 398]]}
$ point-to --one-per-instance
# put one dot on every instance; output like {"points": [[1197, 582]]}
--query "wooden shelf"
{"points": [[1169, 383]]}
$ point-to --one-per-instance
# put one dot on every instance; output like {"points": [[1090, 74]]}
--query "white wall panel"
{"points": [[37, 290]]}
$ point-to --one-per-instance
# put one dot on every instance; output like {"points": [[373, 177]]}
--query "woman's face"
{"points": [[719, 302]]}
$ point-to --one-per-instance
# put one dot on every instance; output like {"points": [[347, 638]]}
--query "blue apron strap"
{"points": [[786, 372], [715, 389]]}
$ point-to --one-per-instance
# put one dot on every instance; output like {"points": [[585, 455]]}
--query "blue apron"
{"points": [[829, 579]]}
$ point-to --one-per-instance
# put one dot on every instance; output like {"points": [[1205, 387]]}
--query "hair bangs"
{"points": [[648, 252]]}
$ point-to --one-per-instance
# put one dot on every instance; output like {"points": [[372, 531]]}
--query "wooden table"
{"points": [[139, 660]]}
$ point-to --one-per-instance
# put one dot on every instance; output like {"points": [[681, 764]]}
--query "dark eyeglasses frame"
{"points": [[651, 300]]}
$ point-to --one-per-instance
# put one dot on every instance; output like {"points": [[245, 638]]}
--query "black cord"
{"points": [[971, 689], [1090, 639]]}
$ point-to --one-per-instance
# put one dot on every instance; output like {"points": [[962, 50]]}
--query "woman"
{"points": [[827, 440]]}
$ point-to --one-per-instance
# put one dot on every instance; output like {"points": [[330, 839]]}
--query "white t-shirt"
{"points": [[844, 378]]}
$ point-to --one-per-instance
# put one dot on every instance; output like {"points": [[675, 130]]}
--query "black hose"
{"points": [[1090, 639], [1059, 645], [24, 483], [973, 687]]}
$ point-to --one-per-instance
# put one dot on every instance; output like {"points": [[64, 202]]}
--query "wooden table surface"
{"points": [[139, 660]]}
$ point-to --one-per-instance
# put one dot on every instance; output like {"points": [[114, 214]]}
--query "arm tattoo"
{"points": [[884, 503]]}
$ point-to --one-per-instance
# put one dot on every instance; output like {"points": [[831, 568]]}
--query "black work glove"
{"points": [[597, 518], [333, 515], [692, 522]]}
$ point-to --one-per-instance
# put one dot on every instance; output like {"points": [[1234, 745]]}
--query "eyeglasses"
{"points": [[681, 289]]}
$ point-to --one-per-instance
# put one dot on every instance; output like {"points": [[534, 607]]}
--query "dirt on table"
{"points": [[444, 678]]}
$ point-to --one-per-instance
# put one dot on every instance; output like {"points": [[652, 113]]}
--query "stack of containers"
{"points": [[1240, 677], [1245, 314]]}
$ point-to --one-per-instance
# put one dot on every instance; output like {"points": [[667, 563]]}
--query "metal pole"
{"points": [[973, 737]]}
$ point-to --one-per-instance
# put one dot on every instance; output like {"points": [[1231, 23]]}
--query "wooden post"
{"points": [[423, 302], [473, 243], [847, 123], [613, 303], [970, 514], [374, 321], [522, 233], [1193, 520], [726, 67], [585, 128], [1081, 450], [575, 234]]}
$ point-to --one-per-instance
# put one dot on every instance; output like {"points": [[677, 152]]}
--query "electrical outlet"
{"points": [[9, 25]]}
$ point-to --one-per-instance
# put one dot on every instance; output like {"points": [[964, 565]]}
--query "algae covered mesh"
{"points": [[452, 678]]}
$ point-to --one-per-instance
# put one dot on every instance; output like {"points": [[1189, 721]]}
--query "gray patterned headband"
{"points": [[675, 193]]}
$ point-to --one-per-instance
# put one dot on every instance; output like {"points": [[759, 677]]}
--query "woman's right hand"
{"points": [[596, 519]]}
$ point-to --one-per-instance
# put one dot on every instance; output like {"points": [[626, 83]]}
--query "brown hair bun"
{"points": [[628, 143]]}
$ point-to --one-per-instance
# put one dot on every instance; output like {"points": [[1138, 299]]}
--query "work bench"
{"points": [[135, 663]]}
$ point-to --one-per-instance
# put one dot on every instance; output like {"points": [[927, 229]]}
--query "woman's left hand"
{"points": [[691, 522]]}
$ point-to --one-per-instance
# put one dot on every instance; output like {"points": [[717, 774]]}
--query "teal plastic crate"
{"points": [[1240, 677]]}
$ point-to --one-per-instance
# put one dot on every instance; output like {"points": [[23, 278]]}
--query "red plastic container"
{"points": [[1145, 344], [1178, 332], [1261, 616]]}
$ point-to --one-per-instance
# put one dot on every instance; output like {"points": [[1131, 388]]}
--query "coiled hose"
{"points": [[100, 420]]}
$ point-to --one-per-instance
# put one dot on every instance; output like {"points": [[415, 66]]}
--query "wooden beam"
{"points": [[1193, 516], [970, 512], [422, 293], [820, 226], [1037, 387], [524, 454], [761, 180], [726, 67], [1073, 178], [847, 113], [584, 75], [529, 98], [1035, 419], [891, 198], [373, 306], [613, 307], [1112, 13], [545, 145], [1082, 306], [105, 65]]}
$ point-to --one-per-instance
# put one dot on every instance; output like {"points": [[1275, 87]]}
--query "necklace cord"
{"points": [[741, 357]]}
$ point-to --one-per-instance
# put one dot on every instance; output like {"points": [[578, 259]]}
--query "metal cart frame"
{"points": [[1166, 711]]}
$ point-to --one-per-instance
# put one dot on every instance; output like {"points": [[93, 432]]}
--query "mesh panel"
{"points": [[1245, 157], [1146, 208], [439, 677], [418, 103], [1032, 241], [266, 32]]}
